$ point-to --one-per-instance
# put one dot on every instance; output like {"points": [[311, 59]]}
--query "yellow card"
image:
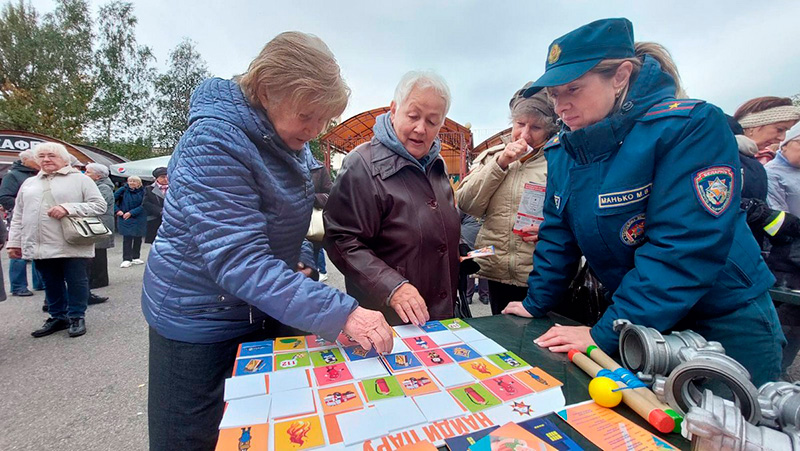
{"points": [[248, 437], [290, 343], [302, 433], [537, 379], [481, 368]]}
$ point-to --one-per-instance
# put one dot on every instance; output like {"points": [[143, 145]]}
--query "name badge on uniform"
{"points": [[714, 188], [620, 198]]}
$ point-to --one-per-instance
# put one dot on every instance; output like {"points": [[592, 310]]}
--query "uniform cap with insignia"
{"points": [[577, 52]]}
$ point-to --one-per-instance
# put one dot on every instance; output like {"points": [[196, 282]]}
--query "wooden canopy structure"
{"points": [[501, 137], [456, 140]]}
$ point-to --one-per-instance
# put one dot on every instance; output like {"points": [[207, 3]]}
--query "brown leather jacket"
{"points": [[386, 222]]}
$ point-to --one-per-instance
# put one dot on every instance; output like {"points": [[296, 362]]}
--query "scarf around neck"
{"points": [[384, 131], [163, 188]]}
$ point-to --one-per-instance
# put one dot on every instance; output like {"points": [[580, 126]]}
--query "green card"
{"points": [[475, 397], [382, 388], [454, 324], [508, 361], [292, 360], [326, 357]]}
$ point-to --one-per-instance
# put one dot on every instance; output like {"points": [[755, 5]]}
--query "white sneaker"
{"points": [[323, 276], [125, 264], [137, 261]]}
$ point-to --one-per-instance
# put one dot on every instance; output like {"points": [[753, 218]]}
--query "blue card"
{"points": [[401, 361], [256, 348], [433, 326], [355, 353], [253, 365], [461, 353], [550, 433], [463, 442]]}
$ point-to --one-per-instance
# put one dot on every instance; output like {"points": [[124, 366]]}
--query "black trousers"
{"points": [[97, 269], [131, 245], [500, 294]]}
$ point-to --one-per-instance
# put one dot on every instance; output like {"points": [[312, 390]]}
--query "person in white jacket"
{"points": [[58, 190]]}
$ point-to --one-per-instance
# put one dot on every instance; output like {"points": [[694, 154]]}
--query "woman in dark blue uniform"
{"points": [[647, 188]]}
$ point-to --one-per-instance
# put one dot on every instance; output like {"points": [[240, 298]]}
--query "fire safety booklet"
{"points": [[531, 207]]}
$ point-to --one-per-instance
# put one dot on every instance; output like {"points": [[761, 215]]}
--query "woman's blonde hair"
{"points": [[299, 68], [607, 68], [135, 178]]}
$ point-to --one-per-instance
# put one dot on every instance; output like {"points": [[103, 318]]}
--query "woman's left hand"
{"points": [[565, 338], [126, 215], [516, 308], [532, 234], [57, 212]]}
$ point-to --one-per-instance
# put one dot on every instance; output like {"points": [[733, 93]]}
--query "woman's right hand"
{"points": [[369, 328], [516, 308], [409, 305], [119, 213], [14, 252], [513, 152]]}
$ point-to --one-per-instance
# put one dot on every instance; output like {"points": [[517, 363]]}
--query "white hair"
{"points": [[422, 80], [98, 168], [59, 149], [27, 155]]}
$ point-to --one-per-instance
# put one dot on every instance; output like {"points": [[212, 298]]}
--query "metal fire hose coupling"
{"points": [[780, 405], [683, 388], [648, 353], [717, 424]]}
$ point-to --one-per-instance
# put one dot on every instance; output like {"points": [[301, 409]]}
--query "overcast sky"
{"points": [[726, 51]]}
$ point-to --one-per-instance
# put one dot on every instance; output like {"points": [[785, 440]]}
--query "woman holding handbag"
{"points": [[58, 191]]}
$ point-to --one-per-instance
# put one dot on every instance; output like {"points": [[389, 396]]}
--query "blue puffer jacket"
{"points": [[130, 201], [237, 210]]}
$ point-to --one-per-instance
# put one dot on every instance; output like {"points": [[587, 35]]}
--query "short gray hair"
{"points": [[98, 168], [59, 149], [422, 80], [27, 155]]}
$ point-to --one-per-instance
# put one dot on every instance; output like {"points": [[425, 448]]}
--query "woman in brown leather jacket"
{"points": [[391, 226]]}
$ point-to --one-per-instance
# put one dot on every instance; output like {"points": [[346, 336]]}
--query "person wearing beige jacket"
{"points": [[58, 190], [493, 189]]}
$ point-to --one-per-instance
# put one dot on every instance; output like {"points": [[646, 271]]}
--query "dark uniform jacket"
{"points": [[11, 183], [650, 195], [385, 222], [153, 205]]}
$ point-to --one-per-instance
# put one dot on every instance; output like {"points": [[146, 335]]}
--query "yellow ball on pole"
{"points": [[602, 391]]}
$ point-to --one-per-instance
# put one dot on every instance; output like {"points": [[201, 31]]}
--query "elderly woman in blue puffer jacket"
{"points": [[131, 220], [227, 267]]}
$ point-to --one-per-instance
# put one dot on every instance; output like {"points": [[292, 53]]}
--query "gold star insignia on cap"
{"points": [[674, 105], [555, 53]]}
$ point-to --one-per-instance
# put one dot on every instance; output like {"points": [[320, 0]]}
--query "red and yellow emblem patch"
{"points": [[714, 188]]}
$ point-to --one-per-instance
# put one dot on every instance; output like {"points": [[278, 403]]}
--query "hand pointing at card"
{"points": [[369, 328]]}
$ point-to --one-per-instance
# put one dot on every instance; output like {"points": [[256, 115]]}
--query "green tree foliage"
{"points": [[45, 68], [174, 90]]}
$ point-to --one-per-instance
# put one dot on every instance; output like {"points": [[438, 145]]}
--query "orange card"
{"points": [[417, 383], [609, 430], [248, 437], [332, 426], [340, 399], [481, 368], [537, 379], [301, 433]]}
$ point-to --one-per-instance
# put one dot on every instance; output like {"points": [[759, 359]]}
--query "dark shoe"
{"points": [[95, 299], [44, 306], [51, 326], [22, 293], [77, 327], [485, 301]]}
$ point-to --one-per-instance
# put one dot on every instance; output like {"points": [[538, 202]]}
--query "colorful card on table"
{"points": [[475, 397], [481, 368], [253, 365], [461, 353], [315, 342], [341, 398], [256, 348], [381, 388], [433, 326], [550, 434], [454, 324], [326, 357], [507, 361], [292, 360], [346, 341], [244, 438], [419, 343], [462, 443], [358, 353], [367, 368], [537, 379], [433, 357], [609, 430], [302, 433], [290, 343], [402, 361], [506, 387], [332, 374], [417, 383], [510, 437]]}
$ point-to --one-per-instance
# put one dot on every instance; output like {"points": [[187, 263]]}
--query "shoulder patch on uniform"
{"points": [[714, 188], [671, 108], [554, 141]]}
